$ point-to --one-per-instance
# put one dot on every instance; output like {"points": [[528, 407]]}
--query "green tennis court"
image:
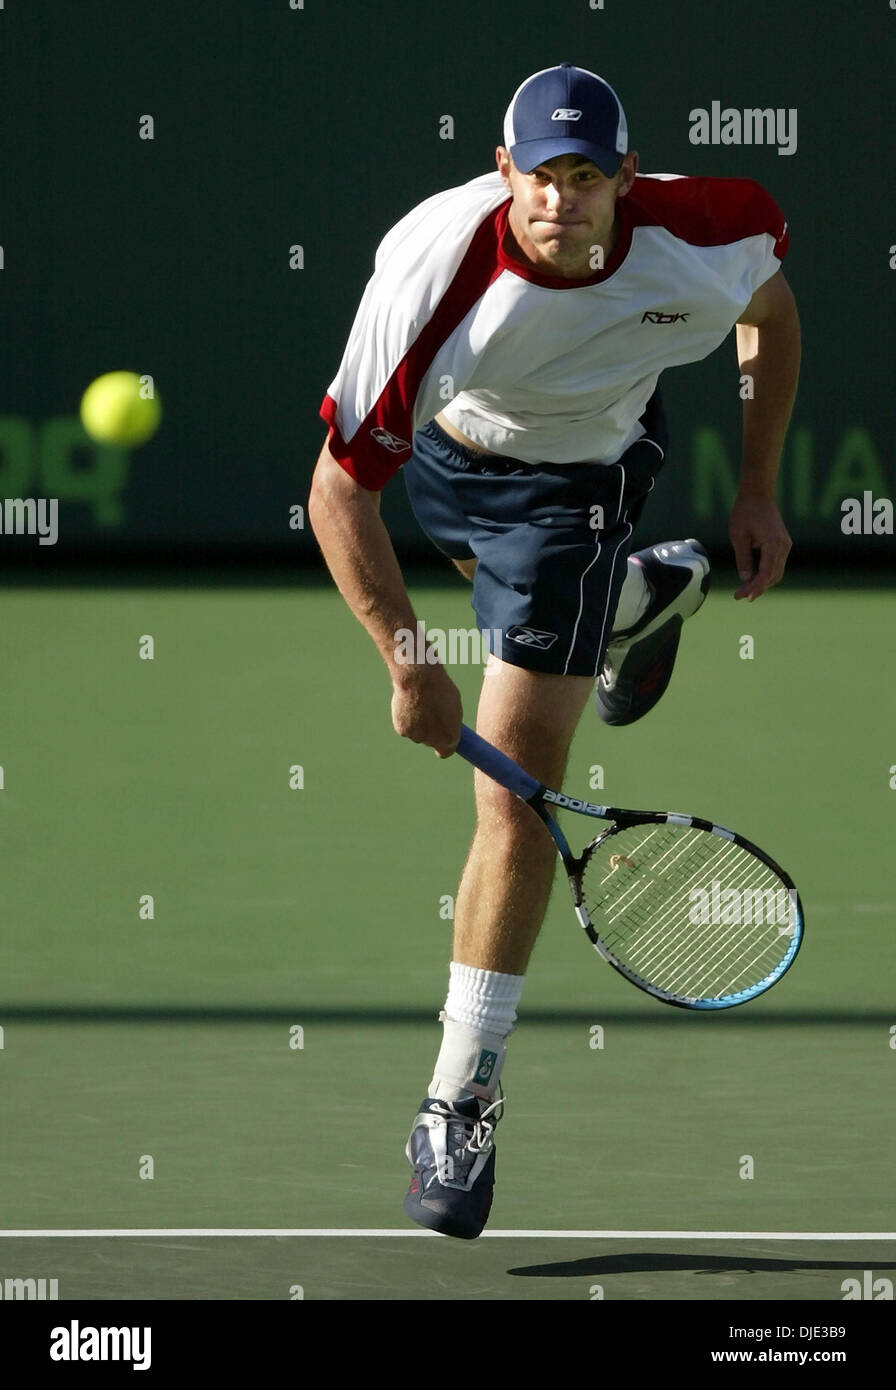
{"points": [[226, 947]]}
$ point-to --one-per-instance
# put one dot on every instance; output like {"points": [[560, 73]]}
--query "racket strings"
{"points": [[687, 953], [689, 912]]}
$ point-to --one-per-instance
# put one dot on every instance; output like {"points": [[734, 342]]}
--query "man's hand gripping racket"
{"points": [[688, 911]]}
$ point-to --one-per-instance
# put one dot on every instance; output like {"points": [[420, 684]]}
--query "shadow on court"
{"points": [[653, 1262], [288, 1013]]}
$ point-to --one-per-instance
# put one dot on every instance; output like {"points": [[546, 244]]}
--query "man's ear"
{"points": [[504, 163], [627, 173]]}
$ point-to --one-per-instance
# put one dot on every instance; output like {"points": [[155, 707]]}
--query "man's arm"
{"points": [[345, 518], [768, 350]]}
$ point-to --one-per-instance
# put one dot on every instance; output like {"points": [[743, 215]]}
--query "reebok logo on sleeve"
{"points": [[389, 441]]}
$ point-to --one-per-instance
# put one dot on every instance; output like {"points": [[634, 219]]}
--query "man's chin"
{"points": [[544, 231], [568, 241], [560, 259]]}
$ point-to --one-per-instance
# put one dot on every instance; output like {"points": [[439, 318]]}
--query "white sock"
{"points": [[478, 1017], [483, 998], [634, 597]]}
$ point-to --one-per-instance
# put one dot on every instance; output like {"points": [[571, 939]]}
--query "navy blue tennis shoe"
{"points": [[452, 1151], [639, 660]]}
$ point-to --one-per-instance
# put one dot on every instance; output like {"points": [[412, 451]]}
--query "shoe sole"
{"points": [[660, 645], [443, 1222], [470, 1209]]}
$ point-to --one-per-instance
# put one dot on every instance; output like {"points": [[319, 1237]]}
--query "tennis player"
{"points": [[506, 354]]}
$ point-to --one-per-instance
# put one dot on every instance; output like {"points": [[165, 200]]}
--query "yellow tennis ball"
{"points": [[115, 409]]}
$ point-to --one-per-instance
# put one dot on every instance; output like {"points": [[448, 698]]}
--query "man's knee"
{"points": [[506, 822]]}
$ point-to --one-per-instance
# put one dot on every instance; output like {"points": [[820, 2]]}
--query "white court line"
{"points": [[281, 1232]]}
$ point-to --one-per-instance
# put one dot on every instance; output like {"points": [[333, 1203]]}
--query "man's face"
{"points": [[563, 209]]}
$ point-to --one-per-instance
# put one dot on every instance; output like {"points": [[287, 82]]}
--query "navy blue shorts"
{"points": [[552, 540]]}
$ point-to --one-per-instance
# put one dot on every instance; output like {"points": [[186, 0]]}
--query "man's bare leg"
{"points": [[508, 876], [506, 884], [510, 869], [500, 907]]}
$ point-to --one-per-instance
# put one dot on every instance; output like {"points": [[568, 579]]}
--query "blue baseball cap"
{"points": [[566, 110]]}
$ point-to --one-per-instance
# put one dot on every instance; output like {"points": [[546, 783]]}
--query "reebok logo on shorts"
{"points": [[389, 441], [532, 637]]}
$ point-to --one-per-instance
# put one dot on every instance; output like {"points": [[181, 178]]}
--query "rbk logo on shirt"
{"points": [[656, 316]]}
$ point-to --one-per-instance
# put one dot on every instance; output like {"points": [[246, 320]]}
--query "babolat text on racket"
{"points": [[688, 911]]}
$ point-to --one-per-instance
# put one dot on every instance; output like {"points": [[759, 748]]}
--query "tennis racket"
{"points": [[688, 911]]}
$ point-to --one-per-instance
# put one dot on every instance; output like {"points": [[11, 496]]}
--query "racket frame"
{"points": [[507, 773]]}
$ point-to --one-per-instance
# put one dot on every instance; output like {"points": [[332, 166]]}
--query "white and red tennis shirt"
{"points": [[533, 366]]}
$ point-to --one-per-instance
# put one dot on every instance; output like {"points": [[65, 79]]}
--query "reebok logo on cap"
{"points": [[586, 119]]}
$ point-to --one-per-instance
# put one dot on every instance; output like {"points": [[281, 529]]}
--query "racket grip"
{"points": [[496, 764]]}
